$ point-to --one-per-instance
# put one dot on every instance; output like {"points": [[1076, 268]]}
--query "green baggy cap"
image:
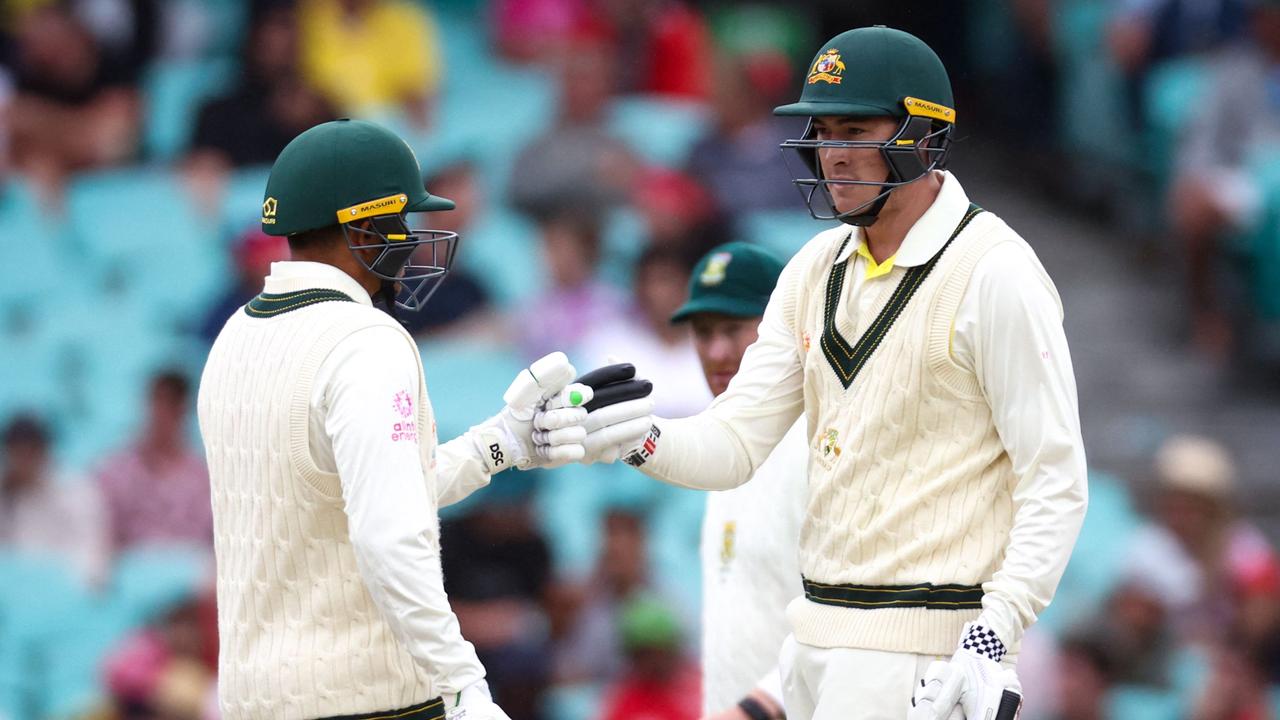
{"points": [[734, 279]]}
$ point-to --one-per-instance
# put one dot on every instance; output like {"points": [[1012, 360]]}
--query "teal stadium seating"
{"points": [[174, 92]]}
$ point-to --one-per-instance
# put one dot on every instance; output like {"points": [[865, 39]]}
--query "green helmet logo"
{"points": [[827, 68]]}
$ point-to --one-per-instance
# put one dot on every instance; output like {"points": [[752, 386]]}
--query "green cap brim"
{"points": [[733, 307], [431, 203], [818, 109]]}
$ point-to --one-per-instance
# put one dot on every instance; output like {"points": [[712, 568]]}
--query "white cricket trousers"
{"points": [[851, 683], [848, 683]]}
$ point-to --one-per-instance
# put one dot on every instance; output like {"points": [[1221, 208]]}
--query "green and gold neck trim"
{"points": [[270, 305]]}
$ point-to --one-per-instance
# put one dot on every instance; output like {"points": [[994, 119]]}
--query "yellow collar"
{"points": [[927, 236], [874, 269]]}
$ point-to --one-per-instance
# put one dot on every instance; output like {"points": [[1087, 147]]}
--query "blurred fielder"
{"points": [[922, 340], [325, 471], [751, 534]]}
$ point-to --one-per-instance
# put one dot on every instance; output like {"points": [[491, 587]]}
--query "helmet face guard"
{"points": [[919, 147], [413, 262]]}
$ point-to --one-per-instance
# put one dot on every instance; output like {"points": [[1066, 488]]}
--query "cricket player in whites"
{"points": [[923, 342], [322, 452], [751, 534]]}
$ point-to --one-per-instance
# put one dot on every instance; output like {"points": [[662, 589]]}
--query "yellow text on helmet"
{"points": [[390, 205]]}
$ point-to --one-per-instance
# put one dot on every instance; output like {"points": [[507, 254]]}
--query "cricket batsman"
{"points": [[922, 341], [751, 534], [325, 471]]}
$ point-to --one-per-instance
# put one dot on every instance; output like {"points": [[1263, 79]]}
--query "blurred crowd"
{"points": [[595, 149]]}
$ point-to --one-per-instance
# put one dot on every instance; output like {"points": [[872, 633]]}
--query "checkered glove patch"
{"points": [[984, 642]]}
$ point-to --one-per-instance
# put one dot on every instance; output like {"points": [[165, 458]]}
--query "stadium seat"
{"points": [[1173, 91], [174, 91], [1135, 702], [242, 201], [465, 382], [502, 251], [661, 131], [580, 701], [1094, 122], [35, 257], [141, 232], [44, 613], [781, 231]]}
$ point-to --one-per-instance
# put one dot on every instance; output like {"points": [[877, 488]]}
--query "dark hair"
{"points": [[174, 382], [309, 240], [26, 428]]}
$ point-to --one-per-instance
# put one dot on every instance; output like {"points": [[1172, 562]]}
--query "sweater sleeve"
{"points": [[1008, 330], [392, 516], [721, 447]]}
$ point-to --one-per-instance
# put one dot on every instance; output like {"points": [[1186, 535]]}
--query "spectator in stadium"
{"points": [[269, 104], [663, 47], [45, 512], [679, 212], [1132, 629], [661, 351], [76, 106], [371, 55], [578, 161], [1084, 677], [167, 670], [576, 300], [738, 158], [588, 649], [1235, 690], [498, 572], [157, 488], [660, 681], [1202, 557], [1215, 191], [253, 254]]}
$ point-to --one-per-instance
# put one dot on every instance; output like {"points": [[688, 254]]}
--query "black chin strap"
{"points": [[872, 213], [388, 294]]}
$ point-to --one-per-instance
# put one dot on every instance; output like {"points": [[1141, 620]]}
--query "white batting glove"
{"points": [[473, 703], [542, 423], [924, 700], [618, 431], [975, 681]]}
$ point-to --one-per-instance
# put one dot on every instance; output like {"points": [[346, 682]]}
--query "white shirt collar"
{"points": [[927, 236], [294, 275]]}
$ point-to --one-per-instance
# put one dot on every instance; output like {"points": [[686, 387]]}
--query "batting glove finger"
{"points": [[572, 435], [562, 418], [623, 435], [545, 377], [572, 396], [622, 412]]}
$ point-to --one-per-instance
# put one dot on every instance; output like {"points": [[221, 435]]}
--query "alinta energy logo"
{"points": [[407, 429]]}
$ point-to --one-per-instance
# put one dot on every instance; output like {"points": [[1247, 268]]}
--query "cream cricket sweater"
{"points": [[935, 466], [300, 634]]}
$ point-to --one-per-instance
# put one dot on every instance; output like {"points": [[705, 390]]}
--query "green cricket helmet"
{"points": [[346, 171], [873, 72]]}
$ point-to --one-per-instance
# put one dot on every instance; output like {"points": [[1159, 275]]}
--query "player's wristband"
{"points": [[754, 709]]}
